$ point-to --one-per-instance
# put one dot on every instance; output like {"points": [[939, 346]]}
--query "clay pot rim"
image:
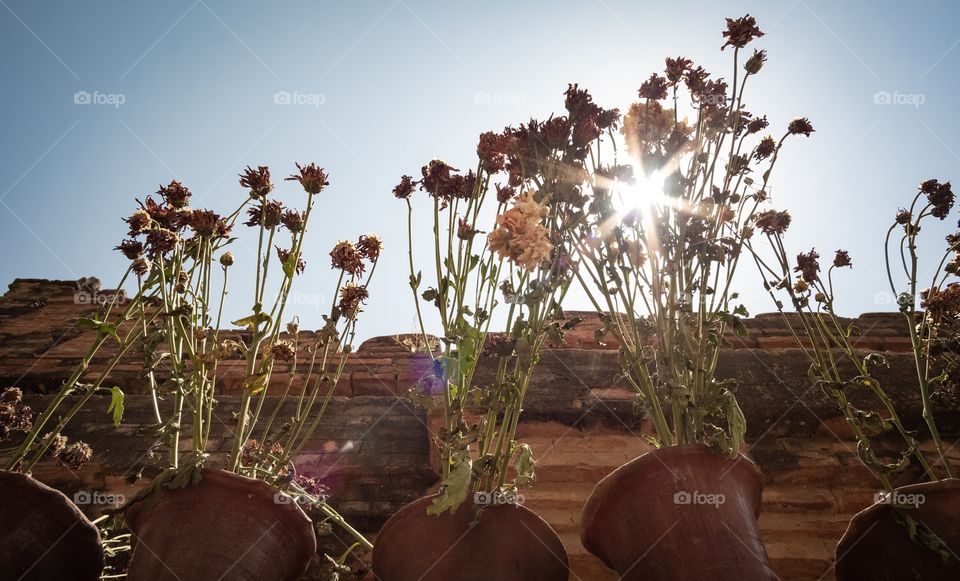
{"points": [[29, 480], [598, 495], [945, 486], [292, 515], [421, 504]]}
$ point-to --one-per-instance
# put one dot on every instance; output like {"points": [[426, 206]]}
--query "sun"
{"points": [[646, 191]]}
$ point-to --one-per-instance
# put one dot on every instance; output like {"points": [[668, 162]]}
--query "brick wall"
{"points": [[373, 446]]}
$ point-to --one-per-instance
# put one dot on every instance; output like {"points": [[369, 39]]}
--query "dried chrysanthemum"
{"points": [[130, 248], [904, 216], [311, 486], [675, 68], [741, 31], [284, 256], [161, 241], [139, 222], [505, 193], [940, 196], [800, 286], [293, 220], [15, 416], [209, 224], [438, 180], [841, 259], [755, 63], [941, 305], [226, 259], [312, 178], [808, 264], [176, 194], [757, 124], [579, 103], [140, 267], [75, 455], [492, 150], [654, 88], [369, 246], [499, 345], [351, 299], [800, 126], [268, 213], [283, 351], [772, 222], [404, 189], [347, 258], [257, 180], [519, 235]]}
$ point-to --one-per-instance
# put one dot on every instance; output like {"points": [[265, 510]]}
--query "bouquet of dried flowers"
{"points": [[516, 262], [658, 236], [830, 344]]}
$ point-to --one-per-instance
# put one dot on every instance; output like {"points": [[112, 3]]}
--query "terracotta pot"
{"points": [[43, 535], [682, 513], [877, 548], [508, 543], [225, 527]]}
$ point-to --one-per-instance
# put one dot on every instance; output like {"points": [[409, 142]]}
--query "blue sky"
{"points": [[380, 87]]}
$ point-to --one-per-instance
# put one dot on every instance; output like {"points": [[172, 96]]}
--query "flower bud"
{"points": [[226, 259], [755, 63]]}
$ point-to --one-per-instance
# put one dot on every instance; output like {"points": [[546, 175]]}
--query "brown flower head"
{"points": [[765, 148], [499, 345], [226, 259], [492, 150], [772, 222], [757, 125], [741, 31], [175, 194], [404, 189], [904, 216], [15, 416], [269, 213], [312, 486], [940, 196], [161, 242], [579, 103], [351, 299], [841, 259], [800, 126], [140, 267], [519, 236], [654, 88], [283, 351], [437, 179], [257, 180], [347, 258], [284, 256], [293, 220], [130, 248], [75, 455], [166, 215], [608, 119], [505, 193], [808, 264], [941, 304], [209, 223], [139, 222], [676, 68], [312, 178], [369, 246]]}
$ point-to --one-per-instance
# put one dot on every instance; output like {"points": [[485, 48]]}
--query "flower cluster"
{"points": [[520, 235], [15, 416], [352, 297], [940, 197]]}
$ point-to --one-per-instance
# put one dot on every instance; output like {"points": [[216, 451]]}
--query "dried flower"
{"points": [[579, 103], [312, 178], [772, 222], [139, 222], [499, 345], [765, 148], [351, 299], [347, 258], [941, 304], [284, 256], [161, 241], [492, 150], [755, 63], [676, 68], [841, 259], [267, 212], [130, 248], [904, 216], [140, 267], [757, 125], [519, 235], [226, 259], [801, 286], [369, 246], [940, 196], [75, 455], [800, 125], [654, 88], [437, 180], [808, 264], [405, 188], [311, 486], [257, 180], [505, 193], [209, 223], [15, 416], [284, 351], [293, 220], [175, 194], [741, 31]]}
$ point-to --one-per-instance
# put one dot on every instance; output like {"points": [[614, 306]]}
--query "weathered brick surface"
{"points": [[373, 447]]}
